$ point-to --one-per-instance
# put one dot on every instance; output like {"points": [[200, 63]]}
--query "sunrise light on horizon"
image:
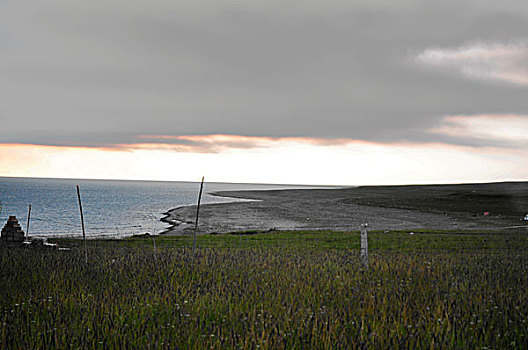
{"points": [[294, 161]]}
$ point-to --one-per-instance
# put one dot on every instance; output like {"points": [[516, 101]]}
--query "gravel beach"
{"points": [[466, 206]]}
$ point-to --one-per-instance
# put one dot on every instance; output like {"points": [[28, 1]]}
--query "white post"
{"points": [[364, 245]]}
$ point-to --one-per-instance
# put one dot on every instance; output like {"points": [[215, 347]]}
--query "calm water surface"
{"points": [[110, 207]]}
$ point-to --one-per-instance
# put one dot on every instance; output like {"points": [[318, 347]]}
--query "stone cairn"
{"points": [[12, 233]]}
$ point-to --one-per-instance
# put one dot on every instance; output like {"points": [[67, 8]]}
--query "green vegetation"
{"points": [[270, 290]]}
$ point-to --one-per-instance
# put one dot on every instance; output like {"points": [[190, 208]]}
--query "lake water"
{"points": [[110, 207]]}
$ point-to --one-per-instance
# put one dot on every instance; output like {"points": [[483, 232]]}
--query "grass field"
{"points": [[270, 290]]}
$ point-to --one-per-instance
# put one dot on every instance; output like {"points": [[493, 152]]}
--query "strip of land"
{"points": [[488, 206]]}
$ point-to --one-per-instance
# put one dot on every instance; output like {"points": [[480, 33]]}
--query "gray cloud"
{"points": [[103, 72], [508, 131], [487, 61]]}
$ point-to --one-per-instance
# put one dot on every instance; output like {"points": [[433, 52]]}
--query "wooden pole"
{"points": [[82, 225], [197, 214], [364, 245], [154, 242], [151, 226], [27, 227]]}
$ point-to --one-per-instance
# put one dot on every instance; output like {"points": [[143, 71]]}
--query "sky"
{"points": [[328, 92]]}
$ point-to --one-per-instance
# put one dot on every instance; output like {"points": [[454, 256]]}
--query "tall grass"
{"points": [[295, 295]]}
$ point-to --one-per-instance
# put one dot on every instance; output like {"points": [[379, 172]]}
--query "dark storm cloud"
{"points": [[103, 72]]}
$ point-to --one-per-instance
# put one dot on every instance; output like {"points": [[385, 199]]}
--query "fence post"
{"points": [[364, 245], [27, 227], [82, 224], [197, 214]]}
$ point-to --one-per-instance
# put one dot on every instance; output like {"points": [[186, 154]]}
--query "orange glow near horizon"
{"points": [[219, 142], [287, 160]]}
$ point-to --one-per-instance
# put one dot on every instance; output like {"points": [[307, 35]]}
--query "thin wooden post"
{"points": [[82, 225], [197, 214], [154, 242], [364, 245], [27, 227]]}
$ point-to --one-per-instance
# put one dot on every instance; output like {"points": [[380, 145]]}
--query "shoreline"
{"points": [[174, 223], [448, 207]]}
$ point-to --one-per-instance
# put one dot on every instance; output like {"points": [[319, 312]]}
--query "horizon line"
{"points": [[264, 183]]}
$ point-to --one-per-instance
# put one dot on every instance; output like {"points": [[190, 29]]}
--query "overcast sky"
{"points": [[115, 72]]}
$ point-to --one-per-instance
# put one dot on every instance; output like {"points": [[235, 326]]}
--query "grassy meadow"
{"points": [[270, 290]]}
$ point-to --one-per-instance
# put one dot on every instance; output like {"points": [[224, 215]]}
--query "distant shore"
{"points": [[467, 207]]}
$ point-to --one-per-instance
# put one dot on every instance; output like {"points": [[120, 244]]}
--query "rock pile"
{"points": [[12, 233]]}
